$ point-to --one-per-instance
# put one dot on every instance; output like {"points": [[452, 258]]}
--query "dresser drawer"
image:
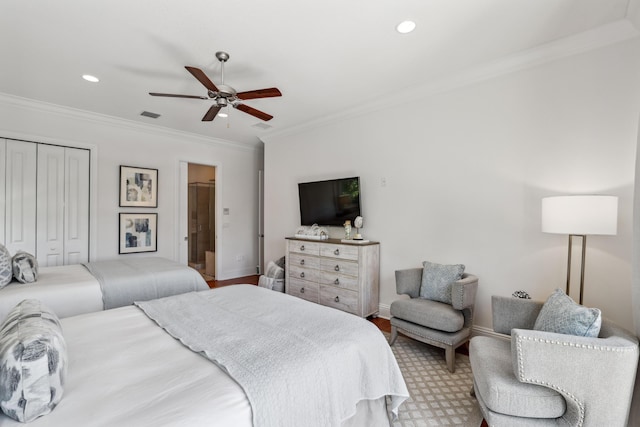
{"points": [[304, 260], [303, 289], [305, 273], [342, 299], [304, 247], [339, 251], [338, 280], [339, 266]]}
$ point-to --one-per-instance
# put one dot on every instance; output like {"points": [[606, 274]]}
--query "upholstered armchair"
{"points": [[540, 378], [441, 324]]}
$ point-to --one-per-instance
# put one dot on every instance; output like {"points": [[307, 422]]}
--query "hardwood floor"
{"points": [[251, 280]]}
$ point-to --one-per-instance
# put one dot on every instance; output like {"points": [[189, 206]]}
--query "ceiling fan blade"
{"points": [[177, 96], [255, 113], [260, 93], [211, 114], [202, 78]]}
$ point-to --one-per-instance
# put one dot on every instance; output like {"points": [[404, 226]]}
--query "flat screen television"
{"points": [[329, 202]]}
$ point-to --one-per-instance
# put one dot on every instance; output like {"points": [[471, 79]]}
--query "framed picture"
{"points": [[138, 187], [138, 232]]}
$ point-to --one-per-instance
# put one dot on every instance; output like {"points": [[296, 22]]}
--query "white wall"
{"points": [[117, 142], [465, 172]]}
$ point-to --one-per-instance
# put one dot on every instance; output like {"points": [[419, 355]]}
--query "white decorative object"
{"points": [[357, 223], [347, 230], [314, 232]]}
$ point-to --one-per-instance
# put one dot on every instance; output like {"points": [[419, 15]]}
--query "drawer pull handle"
{"points": [[337, 299], [302, 248], [337, 268], [302, 290], [336, 252], [337, 281], [302, 274], [301, 262]]}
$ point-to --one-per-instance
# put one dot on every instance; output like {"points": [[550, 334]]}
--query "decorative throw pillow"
{"points": [[6, 273], [280, 262], [273, 271], [25, 267], [33, 361], [437, 280], [562, 315]]}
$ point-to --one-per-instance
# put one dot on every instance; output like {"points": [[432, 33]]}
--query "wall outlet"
{"points": [[239, 258]]}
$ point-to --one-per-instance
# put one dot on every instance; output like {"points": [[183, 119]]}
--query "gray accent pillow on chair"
{"points": [[6, 272], [33, 361], [437, 280], [562, 315], [25, 267]]}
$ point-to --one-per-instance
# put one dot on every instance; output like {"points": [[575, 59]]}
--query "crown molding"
{"points": [[615, 32], [28, 104]]}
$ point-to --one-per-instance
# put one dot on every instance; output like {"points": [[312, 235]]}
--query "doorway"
{"points": [[202, 219]]}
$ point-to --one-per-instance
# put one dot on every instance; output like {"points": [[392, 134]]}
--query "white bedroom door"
{"points": [[20, 196], [76, 206]]}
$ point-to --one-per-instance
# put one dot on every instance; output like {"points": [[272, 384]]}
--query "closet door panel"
{"points": [[50, 201], [76, 214], [20, 197], [3, 148]]}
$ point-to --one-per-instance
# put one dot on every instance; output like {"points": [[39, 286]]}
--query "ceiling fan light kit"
{"points": [[224, 95]]}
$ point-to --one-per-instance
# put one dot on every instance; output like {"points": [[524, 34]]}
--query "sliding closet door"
{"points": [[50, 201], [20, 196], [76, 214], [63, 205], [3, 147]]}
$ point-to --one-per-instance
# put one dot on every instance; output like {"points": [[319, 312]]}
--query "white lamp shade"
{"points": [[580, 215]]}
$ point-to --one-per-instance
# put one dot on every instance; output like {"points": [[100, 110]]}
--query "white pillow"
{"points": [[33, 361], [6, 272], [273, 271]]}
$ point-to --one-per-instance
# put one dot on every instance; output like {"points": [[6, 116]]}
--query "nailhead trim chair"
{"points": [[540, 378], [436, 323]]}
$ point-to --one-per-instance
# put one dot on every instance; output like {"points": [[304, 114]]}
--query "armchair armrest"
{"points": [[408, 281], [577, 368], [511, 313], [463, 292]]}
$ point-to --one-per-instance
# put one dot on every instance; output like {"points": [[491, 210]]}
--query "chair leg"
{"points": [[450, 356], [394, 335]]}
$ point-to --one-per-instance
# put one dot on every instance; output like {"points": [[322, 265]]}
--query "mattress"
{"points": [[67, 289]]}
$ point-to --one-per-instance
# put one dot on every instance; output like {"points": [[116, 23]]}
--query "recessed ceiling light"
{"points": [[223, 115], [406, 27], [90, 78]]}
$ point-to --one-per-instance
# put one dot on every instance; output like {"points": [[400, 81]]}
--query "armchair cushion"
{"points": [[500, 389], [560, 314], [431, 314], [437, 280]]}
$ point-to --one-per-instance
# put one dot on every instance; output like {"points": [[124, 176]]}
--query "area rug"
{"points": [[438, 397]]}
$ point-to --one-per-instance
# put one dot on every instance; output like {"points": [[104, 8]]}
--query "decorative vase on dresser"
{"points": [[341, 275]]}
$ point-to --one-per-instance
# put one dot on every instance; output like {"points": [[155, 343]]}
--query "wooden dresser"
{"points": [[345, 276]]}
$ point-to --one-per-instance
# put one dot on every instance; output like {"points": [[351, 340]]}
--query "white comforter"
{"points": [[68, 290], [126, 371]]}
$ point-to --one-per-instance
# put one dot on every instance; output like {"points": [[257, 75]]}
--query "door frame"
{"points": [[182, 248]]}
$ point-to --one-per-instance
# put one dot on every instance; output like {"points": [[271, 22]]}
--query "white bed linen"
{"points": [[171, 386], [68, 290]]}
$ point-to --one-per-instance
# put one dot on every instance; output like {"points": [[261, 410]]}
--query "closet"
{"points": [[45, 201]]}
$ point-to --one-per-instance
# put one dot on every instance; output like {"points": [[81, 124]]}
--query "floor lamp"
{"points": [[579, 216]]}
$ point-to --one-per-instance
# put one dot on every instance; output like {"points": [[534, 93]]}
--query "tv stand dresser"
{"points": [[341, 275]]}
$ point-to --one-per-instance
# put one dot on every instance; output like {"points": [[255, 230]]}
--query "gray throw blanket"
{"points": [[299, 363], [141, 279]]}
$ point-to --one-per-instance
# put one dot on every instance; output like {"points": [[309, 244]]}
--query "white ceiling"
{"points": [[327, 57]]}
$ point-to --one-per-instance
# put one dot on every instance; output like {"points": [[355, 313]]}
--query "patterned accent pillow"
{"points": [[6, 273], [273, 271], [25, 267], [33, 361], [562, 315], [271, 283], [437, 280]]}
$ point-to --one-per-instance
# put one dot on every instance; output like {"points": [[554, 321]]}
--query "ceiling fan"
{"points": [[224, 95]]}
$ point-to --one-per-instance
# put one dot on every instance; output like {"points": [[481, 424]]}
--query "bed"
{"points": [[70, 290], [127, 369]]}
